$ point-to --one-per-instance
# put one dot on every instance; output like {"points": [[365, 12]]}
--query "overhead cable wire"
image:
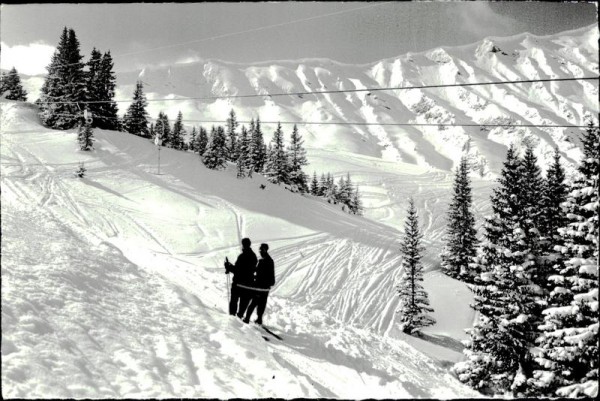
{"points": [[337, 91], [399, 124], [510, 125]]}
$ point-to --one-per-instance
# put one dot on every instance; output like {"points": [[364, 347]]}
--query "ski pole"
{"points": [[228, 296]]}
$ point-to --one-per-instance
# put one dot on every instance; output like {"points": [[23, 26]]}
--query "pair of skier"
{"points": [[252, 280]]}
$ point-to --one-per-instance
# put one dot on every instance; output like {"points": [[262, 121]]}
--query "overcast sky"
{"points": [[144, 34]]}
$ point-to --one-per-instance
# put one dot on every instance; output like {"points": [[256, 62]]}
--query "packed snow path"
{"points": [[113, 286]]}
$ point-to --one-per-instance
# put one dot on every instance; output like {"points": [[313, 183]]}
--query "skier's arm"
{"points": [[272, 275], [253, 264], [239, 264], [227, 265]]}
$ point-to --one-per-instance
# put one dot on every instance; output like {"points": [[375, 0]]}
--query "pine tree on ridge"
{"points": [[177, 135], [297, 160], [135, 120], [232, 140], [568, 356], [11, 83], [414, 307], [276, 167], [85, 136], [64, 89], [461, 236], [215, 157]]}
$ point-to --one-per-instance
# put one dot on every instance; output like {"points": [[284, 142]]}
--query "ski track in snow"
{"points": [[125, 291]]}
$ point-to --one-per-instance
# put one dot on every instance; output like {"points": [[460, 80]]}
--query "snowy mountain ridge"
{"points": [[521, 57]]}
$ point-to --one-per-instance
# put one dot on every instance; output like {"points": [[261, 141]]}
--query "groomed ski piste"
{"points": [[113, 284]]}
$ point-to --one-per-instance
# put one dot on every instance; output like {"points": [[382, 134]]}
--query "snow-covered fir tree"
{"points": [[553, 215], [12, 89], [80, 172], [135, 120], [314, 185], [414, 302], [350, 190], [491, 357], [277, 169], [64, 89], [323, 184], [162, 128], [326, 187], [508, 302], [356, 205], [240, 167], [266, 166], [101, 82], [85, 136], [108, 109], [178, 133], [151, 131], [532, 211], [297, 160], [258, 149], [193, 137], [536, 268], [344, 190], [261, 158], [569, 343], [461, 235], [215, 156], [331, 190], [94, 87], [232, 140], [243, 161], [251, 129], [201, 141]]}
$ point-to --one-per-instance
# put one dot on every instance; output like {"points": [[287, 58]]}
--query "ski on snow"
{"points": [[270, 332]]}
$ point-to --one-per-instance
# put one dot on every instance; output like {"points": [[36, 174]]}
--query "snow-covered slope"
{"points": [[113, 286], [377, 154]]}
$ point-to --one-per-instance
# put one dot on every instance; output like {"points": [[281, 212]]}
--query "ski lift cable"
{"points": [[336, 91], [400, 124], [507, 125], [230, 34]]}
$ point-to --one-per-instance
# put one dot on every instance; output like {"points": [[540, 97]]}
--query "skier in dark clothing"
{"points": [[263, 281], [243, 274]]}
